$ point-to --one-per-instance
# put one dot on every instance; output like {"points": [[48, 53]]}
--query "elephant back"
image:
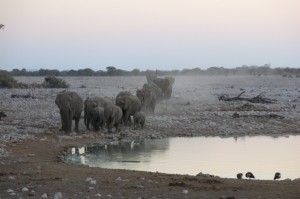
{"points": [[163, 84]]}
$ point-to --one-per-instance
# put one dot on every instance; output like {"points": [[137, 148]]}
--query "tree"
{"points": [[135, 72], [111, 70]]}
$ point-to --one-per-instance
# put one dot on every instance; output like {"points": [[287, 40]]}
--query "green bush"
{"points": [[7, 81], [53, 82]]}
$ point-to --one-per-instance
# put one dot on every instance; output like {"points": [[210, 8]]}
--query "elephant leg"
{"points": [[62, 124], [130, 120], [88, 124], [142, 125], [110, 125], [76, 124], [134, 124], [69, 125], [125, 118], [117, 127]]}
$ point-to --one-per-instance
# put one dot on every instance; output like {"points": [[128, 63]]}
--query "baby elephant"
{"points": [[98, 120], [139, 119]]}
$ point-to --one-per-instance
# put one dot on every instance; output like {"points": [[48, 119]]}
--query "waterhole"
{"points": [[224, 157]]}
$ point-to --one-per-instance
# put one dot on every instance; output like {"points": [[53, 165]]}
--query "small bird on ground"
{"points": [[249, 175], [239, 176], [277, 176]]}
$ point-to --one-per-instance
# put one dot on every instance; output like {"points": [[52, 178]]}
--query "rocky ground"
{"points": [[32, 147]]}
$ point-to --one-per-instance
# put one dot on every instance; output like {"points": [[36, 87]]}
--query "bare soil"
{"points": [[32, 147]]}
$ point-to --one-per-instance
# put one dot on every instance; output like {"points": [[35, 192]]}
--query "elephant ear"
{"points": [[57, 101], [124, 103]]}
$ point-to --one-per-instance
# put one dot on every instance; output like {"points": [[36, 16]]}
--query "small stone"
{"points": [[185, 191], [44, 195], [119, 178], [89, 179], [93, 182], [140, 186], [25, 189], [98, 195], [91, 188], [58, 195], [10, 191], [11, 177]]}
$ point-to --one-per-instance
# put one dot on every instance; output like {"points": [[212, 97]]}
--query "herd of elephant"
{"points": [[102, 111]]}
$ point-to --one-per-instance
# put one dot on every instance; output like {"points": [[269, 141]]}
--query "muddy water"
{"points": [[224, 157]]}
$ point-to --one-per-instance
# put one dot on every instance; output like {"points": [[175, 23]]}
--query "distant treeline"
{"points": [[113, 71]]}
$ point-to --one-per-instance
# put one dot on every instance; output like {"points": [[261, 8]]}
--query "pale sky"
{"points": [[148, 34]]}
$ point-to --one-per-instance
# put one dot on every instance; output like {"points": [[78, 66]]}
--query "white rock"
{"points": [[119, 178], [98, 195], [89, 179], [11, 177], [25, 189], [93, 182], [185, 191], [58, 195], [140, 186], [44, 195], [10, 191]]}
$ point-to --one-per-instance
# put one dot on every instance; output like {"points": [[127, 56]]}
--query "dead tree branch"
{"points": [[256, 99]]}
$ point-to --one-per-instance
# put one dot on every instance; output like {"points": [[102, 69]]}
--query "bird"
{"points": [[239, 176], [277, 176], [249, 175]]}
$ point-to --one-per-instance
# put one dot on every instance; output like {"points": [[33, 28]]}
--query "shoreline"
{"points": [[32, 148]]}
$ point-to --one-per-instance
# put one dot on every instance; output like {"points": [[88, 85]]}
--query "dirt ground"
{"points": [[32, 147]]}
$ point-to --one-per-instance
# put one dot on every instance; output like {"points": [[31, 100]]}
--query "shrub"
{"points": [[53, 82], [7, 81]]}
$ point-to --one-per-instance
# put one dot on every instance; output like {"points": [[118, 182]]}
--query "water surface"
{"points": [[224, 157]]}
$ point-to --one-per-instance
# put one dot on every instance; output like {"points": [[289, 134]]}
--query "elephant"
{"points": [[171, 80], [147, 98], [113, 117], [70, 105], [130, 104], [91, 103], [165, 86], [139, 119], [97, 116], [150, 76], [156, 90]]}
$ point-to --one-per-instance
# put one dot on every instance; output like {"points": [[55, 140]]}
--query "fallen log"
{"points": [[269, 116], [22, 96], [256, 99]]}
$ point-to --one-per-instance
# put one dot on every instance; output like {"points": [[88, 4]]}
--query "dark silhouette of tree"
{"points": [[135, 72], [86, 72], [111, 70], [2, 26]]}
